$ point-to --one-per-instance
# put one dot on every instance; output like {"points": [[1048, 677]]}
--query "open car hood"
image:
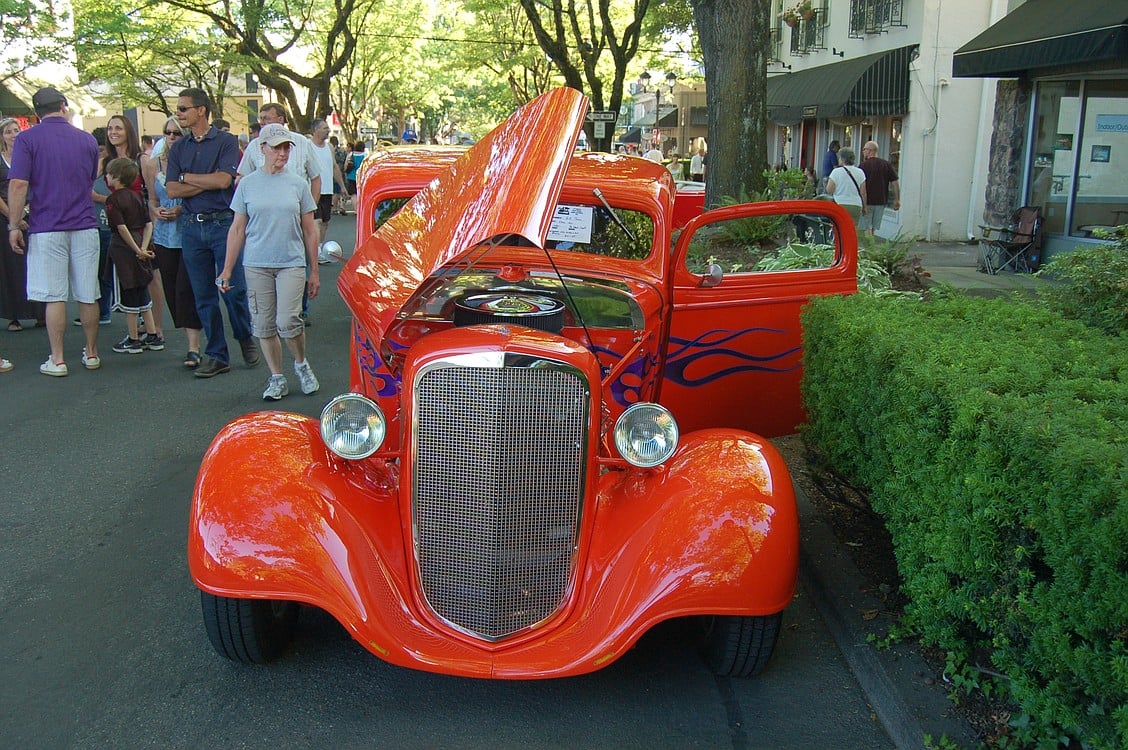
{"points": [[508, 183]]}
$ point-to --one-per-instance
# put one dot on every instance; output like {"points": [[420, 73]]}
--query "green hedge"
{"points": [[993, 436]]}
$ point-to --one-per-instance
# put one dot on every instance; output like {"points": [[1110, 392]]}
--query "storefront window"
{"points": [[1101, 198], [1052, 155]]}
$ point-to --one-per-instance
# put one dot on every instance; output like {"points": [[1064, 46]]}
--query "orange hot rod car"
{"points": [[556, 431]]}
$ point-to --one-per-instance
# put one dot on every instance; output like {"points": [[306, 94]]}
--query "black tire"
{"points": [[251, 631], [739, 646]]}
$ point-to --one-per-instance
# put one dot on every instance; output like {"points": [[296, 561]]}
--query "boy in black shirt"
{"points": [[131, 255]]}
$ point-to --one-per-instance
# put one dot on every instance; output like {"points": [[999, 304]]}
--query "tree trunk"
{"points": [[735, 43]]}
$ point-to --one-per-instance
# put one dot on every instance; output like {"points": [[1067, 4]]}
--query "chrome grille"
{"points": [[499, 477]]}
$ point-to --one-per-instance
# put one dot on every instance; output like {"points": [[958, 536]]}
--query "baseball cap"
{"points": [[47, 96], [274, 134], [410, 136]]}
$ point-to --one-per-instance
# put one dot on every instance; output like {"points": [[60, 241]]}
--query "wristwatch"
{"points": [[13, 227], [182, 177]]}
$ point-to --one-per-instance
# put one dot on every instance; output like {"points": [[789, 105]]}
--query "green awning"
{"points": [[1045, 34], [871, 86], [11, 104]]}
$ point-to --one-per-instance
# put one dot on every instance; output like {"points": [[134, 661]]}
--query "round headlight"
{"points": [[352, 426], [646, 435]]}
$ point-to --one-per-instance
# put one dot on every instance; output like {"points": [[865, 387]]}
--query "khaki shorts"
{"points": [[874, 215], [275, 298], [56, 259]]}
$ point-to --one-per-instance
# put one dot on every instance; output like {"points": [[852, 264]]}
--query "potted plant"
{"points": [[805, 10], [790, 17]]}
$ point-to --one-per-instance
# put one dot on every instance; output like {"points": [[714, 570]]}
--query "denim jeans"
{"points": [[205, 247]]}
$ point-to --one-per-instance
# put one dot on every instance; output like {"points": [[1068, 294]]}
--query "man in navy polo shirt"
{"points": [[201, 170], [59, 163]]}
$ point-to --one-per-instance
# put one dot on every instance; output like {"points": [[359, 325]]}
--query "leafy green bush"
{"points": [[799, 255], [891, 255], [993, 437], [1095, 288]]}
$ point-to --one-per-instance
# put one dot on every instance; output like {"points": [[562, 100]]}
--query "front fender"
{"points": [[715, 530], [266, 521]]}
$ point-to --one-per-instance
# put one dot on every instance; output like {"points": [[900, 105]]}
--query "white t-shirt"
{"points": [[324, 156], [273, 205], [845, 194], [302, 162], [653, 155], [696, 165]]}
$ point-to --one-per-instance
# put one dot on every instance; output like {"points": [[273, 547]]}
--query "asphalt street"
{"points": [[104, 644]]}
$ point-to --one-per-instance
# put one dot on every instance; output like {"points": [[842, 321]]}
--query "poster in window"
{"points": [[1063, 142], [1101, 153]]}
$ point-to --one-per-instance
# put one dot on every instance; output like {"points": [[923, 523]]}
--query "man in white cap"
{"points": [[58, 163]]}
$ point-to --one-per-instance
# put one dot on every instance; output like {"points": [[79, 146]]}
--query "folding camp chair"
{"points": [[1017, 246]]}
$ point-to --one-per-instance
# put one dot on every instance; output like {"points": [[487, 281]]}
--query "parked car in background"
{"points": [[556, 432]]}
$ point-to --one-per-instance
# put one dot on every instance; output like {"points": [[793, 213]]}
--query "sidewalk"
{"points": [[955, 263]]}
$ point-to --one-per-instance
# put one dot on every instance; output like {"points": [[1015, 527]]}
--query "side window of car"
{"points": [[762, 244], [385, 210]]}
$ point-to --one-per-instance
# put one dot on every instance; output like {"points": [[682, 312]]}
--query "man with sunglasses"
{"points": [[201, 170]]}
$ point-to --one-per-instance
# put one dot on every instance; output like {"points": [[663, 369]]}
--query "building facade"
{"points": [[881, 70], [1060, 123]]}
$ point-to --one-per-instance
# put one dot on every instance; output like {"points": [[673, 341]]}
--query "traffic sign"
{"points": [[602, 116], [369, 131]]}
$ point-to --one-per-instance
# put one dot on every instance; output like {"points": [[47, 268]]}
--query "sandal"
{"points": [[15, 325], [192, 360], [5, 365]]}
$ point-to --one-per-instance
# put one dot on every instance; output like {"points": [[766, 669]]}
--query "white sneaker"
{"points": [[90, 363], [276, 388], [309, 380], [54, 370]]}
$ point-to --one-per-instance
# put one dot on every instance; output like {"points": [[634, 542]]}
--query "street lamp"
{"points": [[668, 88]]}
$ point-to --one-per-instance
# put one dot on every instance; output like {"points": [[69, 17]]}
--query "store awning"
{"points": [[12, 104], [869, 86], [1043, 34], [634, 135], [668, 117]]}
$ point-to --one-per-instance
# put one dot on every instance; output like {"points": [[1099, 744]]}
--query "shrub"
{"points": [[991, 435], [1095, 288]]}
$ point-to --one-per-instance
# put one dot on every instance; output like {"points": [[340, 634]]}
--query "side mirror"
{"points": [[713, 276]]}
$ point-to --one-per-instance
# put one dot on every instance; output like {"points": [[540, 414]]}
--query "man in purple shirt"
{"points": [[201, 170], [58, 163]]}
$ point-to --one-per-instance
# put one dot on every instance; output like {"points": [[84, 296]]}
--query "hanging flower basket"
{"points": [[805, 10], [790, 18]]}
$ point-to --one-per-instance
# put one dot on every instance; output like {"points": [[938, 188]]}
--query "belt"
{"points": [[226, 213]]}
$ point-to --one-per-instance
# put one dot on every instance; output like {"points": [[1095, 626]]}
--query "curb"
{"points": [[892, 679]]}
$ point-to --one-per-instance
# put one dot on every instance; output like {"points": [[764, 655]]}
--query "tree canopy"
{"points": [[446, 66]]}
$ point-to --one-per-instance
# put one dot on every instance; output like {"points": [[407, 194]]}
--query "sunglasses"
{"points": [[185, 109], [172, 133]]}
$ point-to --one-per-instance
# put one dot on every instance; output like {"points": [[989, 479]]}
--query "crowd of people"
{"points": [[190, 220]]}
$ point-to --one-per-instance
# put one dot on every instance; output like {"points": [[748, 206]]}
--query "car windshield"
{"points": [[576, 228]]}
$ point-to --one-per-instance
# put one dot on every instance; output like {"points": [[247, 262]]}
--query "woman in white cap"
{"points": [[273, 227]]}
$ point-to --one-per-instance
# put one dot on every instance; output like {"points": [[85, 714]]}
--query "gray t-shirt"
{"points": [[273, 205]]}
